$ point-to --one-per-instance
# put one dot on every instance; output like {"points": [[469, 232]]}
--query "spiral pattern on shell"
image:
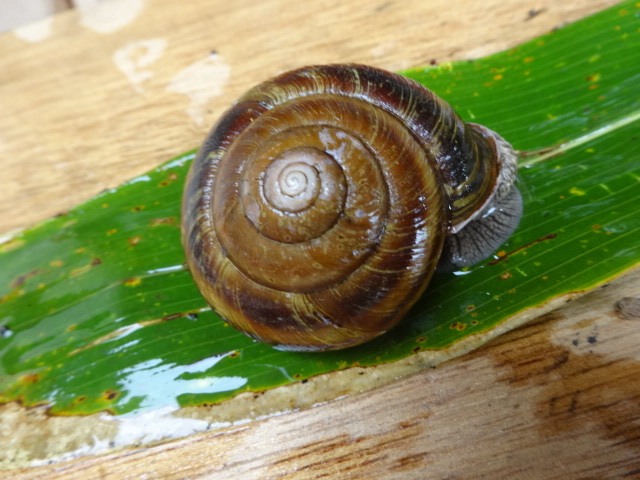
{"points": [[316, 210]]}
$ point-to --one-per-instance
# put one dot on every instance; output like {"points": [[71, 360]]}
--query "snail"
{"points": [[322, 202]]}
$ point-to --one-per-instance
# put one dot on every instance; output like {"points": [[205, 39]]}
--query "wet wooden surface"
{"points": [[92, 98]]}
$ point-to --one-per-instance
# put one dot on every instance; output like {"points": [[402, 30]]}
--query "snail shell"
{"points": [[318, 207]]}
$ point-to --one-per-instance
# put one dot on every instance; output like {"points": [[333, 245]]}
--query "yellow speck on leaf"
{"points": [[112, 231], [498, 77], [133, 241], [577, 191], [132, 282], [594, 77], [56, 263], [594, 58], [163, 221], [80, 270], [528, 59]]}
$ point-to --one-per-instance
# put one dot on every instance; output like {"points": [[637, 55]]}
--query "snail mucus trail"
{"points": [[322, 202]]}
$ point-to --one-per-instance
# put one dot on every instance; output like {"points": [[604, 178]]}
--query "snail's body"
{"points": [[318, 207]]}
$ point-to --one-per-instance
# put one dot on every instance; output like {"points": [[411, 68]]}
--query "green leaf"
{"points": [[99, 313]]}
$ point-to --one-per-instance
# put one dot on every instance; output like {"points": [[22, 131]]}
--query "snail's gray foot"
{"points": [[482, 236]]}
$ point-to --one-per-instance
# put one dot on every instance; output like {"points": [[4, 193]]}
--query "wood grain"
{"points": [[559, 398]]}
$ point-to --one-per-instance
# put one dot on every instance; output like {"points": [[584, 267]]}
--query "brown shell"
{"points": [[316, 210]]}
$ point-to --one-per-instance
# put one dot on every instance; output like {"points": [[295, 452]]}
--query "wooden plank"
{"points": [[108, 94]]}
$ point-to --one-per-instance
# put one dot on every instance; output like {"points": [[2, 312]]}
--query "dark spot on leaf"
{"points": [[234, 354], [421, 339], [458, 326], [416, 349], [80, 399], [304, 381], [470, 307], [30, 378], [18, 282], [95, 262], [297, 376], [575, 342], [110, 395], [172, 177], [137, 208], [592, 339]]}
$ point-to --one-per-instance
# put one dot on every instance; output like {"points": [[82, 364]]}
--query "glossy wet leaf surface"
{"points": [[97, 311]]}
